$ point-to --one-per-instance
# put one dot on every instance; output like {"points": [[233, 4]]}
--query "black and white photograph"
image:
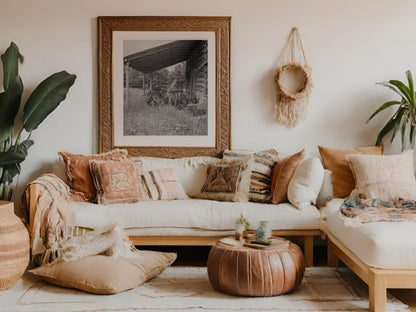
{"points": [[165, 87]]}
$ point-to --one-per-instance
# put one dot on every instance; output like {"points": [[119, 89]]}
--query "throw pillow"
{"points": [[384, 177], [306, 183], [106, 275], [283, 172], [77, 169], [164, 184], [118, 181], [336, 161], [228, 179], [261, 173], [327, 192]]}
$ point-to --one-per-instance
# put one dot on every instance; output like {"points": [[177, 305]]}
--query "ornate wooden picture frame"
{"points": [[164, 85]]}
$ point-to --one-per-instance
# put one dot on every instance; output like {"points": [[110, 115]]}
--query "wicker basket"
{"points": [[14, 246]]}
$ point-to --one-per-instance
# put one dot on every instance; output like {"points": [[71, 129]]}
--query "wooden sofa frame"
{"points": [[306, 236], [378, 280]]}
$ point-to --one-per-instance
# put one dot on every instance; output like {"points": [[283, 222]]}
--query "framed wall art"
{"points": [[164, 85]]}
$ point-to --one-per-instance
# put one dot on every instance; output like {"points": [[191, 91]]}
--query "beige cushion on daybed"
{"points": [[195, 213], [384, 245]]}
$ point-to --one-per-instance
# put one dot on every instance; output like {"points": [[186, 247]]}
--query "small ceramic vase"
{"points": [[263, 231], [239, 230]]}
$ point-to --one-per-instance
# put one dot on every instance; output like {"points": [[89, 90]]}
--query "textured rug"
{"points": [[188, 289]]}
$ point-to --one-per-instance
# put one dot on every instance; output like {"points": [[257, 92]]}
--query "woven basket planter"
{"points": [[14, 246]]}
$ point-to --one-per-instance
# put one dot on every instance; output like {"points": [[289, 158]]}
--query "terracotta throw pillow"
{"points": [[283, 172], [106, 275], [336, 161], [118, 181], [384, 177], [228, 179], [77, 169], [164, 184]]}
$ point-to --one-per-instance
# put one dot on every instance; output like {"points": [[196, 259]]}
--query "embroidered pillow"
{"points": [[164, 184], [336, 161], [261, 173], [118, 181], [283, 172], [228, 179], [77, 169], [384, 177]]}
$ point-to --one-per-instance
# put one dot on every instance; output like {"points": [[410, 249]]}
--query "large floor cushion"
{"points": [[384, 245], [195, 214]]}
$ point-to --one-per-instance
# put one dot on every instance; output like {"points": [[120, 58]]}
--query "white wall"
{"points": [[350, 45]]}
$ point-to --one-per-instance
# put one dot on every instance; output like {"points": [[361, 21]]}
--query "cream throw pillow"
{"points": [[106, 275], [306, 183], [384, 177]]}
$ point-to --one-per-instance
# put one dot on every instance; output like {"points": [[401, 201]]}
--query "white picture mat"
{"points": [[118, 117]]}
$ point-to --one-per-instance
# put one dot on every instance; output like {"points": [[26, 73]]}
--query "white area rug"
{"points": [[188, 289]]}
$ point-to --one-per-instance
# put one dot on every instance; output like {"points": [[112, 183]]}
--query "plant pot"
{"points": [[14, 246], [239, 230]]}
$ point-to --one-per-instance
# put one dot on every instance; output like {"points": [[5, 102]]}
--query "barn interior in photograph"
{"points": [[170, 82]]}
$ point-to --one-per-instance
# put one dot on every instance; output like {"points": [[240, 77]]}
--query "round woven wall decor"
{"points": [[304, 80], [293, 80]]}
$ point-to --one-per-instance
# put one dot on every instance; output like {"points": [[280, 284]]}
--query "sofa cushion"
{"points": [[195, 213], [336, 161], [384, 177], [191, 170], [77, 169], [228, 179], [385, 245], [168, 184], [118, 181]]}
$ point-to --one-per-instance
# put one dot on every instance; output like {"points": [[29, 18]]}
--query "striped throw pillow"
{"points": [[164, 184], [261, 172]]}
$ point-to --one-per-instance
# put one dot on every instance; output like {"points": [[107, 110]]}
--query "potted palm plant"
{"points": [[404, 117], [15, 137]]}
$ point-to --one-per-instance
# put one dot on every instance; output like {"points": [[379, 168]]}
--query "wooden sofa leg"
{"points": [[377, 292], [308, 250], [333, 260]]}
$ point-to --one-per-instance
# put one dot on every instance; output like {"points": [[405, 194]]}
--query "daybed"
{"points": [[190, 221]]}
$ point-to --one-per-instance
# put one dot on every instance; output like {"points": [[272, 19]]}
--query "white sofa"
{"points": [[194, 221]]}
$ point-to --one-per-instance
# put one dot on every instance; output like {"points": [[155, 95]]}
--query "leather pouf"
{"points": [[244, 271], [14, 246]]}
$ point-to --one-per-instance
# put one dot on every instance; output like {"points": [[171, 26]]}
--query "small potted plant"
{"points": [[241, 225]]}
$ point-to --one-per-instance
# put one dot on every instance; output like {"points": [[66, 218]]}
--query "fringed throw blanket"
{"points": [[51, 220], [51, 227], [359, 210]]}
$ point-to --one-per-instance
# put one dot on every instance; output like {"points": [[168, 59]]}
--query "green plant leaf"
{"points": [[10, 60], [16, 154], [403, 89], [45, 98], [411, 87], [403, 135], [412, 135], [383, 107], [13, 89], [397, 121], [386, 129], [391, 87], [9, 172]]}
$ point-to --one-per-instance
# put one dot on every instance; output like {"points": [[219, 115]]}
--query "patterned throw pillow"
{"points": [[336, 161], [283, 173], [384, 177], [118, 181], [228, 179], [261, 173], [164, 184], [77, 169]]}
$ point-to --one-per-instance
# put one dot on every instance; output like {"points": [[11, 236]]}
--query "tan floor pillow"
{"points": [[106, 275]]}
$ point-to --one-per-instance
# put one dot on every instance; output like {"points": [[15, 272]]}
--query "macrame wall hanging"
{"points": [[293, 82]]}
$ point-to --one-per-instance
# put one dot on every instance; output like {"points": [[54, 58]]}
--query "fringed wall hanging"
{"points": [[293, 82]]}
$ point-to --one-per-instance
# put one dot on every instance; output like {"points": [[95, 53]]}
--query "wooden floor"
{"points": [[198, 255]]}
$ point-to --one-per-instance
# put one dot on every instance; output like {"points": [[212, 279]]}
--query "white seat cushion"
{"points": [[195, 213], [384, 245]]}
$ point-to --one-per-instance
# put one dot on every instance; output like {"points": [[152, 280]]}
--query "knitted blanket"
{"points": [[359, 210]]}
